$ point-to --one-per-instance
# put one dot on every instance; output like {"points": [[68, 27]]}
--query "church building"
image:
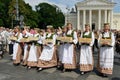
{"points": [[95, 13]]}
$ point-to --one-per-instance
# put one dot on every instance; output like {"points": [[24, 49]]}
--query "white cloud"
{"points": [[62, 3], [33, 3]]}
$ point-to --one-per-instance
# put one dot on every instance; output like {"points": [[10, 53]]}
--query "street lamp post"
{"points": [[21, 21], [17, 10], [68, 9], [11, 14], [12, 21]]}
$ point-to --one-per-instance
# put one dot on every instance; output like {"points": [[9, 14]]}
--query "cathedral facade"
{"points": [[95, 13]]}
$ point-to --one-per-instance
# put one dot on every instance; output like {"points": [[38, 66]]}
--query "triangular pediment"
{"points": [[94, 2]]}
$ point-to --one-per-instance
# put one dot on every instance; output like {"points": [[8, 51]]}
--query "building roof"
{"points": [[95, 2]]}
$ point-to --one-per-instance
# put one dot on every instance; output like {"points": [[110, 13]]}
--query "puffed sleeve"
{"points": [[113, 39], [100, 36], [75, 38], [20, 37], [93, 39]]}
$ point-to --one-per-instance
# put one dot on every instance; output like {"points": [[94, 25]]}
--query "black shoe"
{"points": [[105, 75], [58, 67], [69, 70], [16, 64], [24, 65], [28, 68]]}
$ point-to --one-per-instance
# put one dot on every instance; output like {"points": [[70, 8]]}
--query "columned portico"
{"points": [[90, 17], [107, 18], [109, 12], [99, 19], [95, 12], [78, 19], [92, 12], [84, 18], [111, 22]]}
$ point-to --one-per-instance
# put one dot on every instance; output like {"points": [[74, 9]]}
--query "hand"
{"points": [[106, 43], [71, 43], [45, 44], [118, 42], [87, 43], [62, 42]]}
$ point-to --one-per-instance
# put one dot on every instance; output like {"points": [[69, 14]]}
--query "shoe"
{"points": [[24, 65], [16, 64], [58, 67], [28, 67], [82, 73], [63, 70], [105, 75], [39, 69]]}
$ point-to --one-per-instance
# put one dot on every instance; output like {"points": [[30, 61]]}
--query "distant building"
{"points": [[95, 13]]}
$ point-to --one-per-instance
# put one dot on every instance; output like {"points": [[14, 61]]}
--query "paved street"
{"points": [[10, 72]]}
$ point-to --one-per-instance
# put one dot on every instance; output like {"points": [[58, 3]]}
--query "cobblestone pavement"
{"points": [[10, 72]]}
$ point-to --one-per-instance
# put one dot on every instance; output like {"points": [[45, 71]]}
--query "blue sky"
{"points": [[117, 7], [66, 3]]}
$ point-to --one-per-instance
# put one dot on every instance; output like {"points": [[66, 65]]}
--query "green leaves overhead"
{"points": [[50, 15], [44, 15], [30, 16]]}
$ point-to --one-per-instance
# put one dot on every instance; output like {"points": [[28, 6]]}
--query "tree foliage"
{"points": [[3, 13], [49, 15], [44, 15], [30, 16]]}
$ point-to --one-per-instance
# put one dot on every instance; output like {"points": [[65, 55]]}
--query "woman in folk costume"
{"points": [[106, 54], [26, 34], [38, 48], [69, 52], [96, 33], [42, 36], [86, 54], [33, 55], [60, 33], [48, 56], [117, 46], [17, 50]]}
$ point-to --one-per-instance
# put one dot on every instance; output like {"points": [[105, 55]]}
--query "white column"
{"points": [[108, 16], [90, 18], [78, 20], [84, 18], [105, 16], [99, 19], [111, 19]]}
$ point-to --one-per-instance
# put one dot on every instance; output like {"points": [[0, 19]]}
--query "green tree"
{"points": [[49, 15], [44, 15], [1, 22], [30, 16], [3, 13]]}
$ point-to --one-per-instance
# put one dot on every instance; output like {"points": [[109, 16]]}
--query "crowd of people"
{"points": [[61, 54]]}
